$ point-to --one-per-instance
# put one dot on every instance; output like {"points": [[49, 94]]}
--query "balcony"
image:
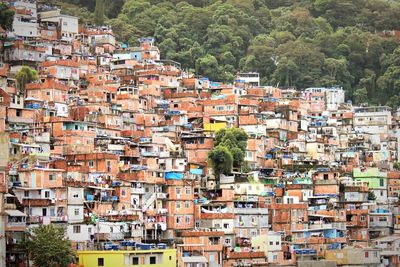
{"points": [[135, 190], [149, 153], [109, 236], [262, 211], [59, 218], [34, 219], [217, 216], [321, 226], [44, 202], [15, 226]]}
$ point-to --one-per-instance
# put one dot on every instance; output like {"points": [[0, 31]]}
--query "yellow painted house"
{"points": [[213, 127], [122, 258]]}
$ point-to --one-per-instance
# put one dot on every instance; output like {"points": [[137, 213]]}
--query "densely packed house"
{"points": [[111, 143]]}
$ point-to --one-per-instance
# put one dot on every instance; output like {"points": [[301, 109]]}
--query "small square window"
{"points": [[100, 261], [153, 260]]}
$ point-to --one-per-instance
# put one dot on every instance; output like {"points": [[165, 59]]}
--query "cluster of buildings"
{"points": [[111, 143]]}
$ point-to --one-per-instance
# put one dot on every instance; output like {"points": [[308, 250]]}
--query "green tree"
{"points": [[49, 247], [208, 66], [221, 160], [389, 82], [235, 140], [361, 96], [24, 76], [396, 166], [6, 17], [99, 13]]}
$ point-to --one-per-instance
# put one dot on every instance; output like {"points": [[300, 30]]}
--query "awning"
{"points": [[194, 259], [15, 213]]}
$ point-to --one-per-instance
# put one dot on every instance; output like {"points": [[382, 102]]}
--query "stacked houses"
{"points": [[111, 143]]}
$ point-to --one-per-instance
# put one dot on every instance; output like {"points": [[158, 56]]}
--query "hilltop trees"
{"points": [[99, 12], [291, 43]]}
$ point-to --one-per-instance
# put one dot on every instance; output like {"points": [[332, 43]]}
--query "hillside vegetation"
{"points": [[291, 43]]}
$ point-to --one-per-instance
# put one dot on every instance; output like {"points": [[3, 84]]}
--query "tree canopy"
{"points": [[229, 150], [289, 42], [6, 17], [25, 75], [49, 247]]}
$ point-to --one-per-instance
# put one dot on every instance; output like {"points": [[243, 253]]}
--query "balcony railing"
{"points": [[263, 211], [37, 202]]}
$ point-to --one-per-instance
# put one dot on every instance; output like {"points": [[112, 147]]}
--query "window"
{"points": [[187, 204], [178, 191], [366, 254], [18, 113], [135, 261], [153, 260], [362, 218], [91, 164], [187, 219], [226, 225], [76, 212], [26, 193], [100, 261], [52, 177], [381, 182], [44, 212], [46, 194], [76, 229], [187, 190], [382, 219], [178, 205], [271, 243]]}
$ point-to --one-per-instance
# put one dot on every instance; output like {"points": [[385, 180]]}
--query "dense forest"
{"points": [[291, 43]]}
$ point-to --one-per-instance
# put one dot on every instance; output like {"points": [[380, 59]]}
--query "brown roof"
{"points": [[66, 63], [48, 84]]}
